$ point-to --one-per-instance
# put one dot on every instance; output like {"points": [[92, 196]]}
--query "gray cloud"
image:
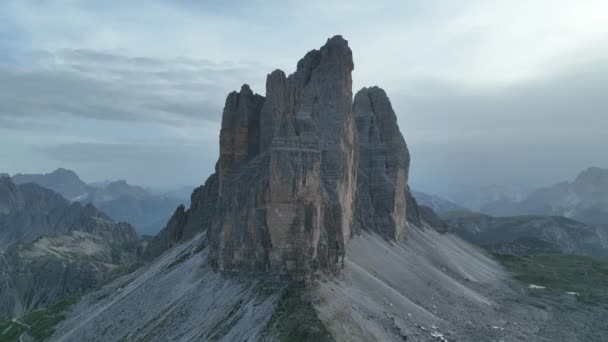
{"points": [[111, 86], [537, 132], [119, 152], [141, 163]]}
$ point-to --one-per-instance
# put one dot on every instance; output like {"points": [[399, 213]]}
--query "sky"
{"points": [[486, 91]]}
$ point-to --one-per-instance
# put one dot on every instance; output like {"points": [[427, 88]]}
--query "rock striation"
{"points": [[300, 171], [286, 183], [383, 167]]}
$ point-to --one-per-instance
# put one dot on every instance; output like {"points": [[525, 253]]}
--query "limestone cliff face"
{"points": [[240, 134], [383, 165], [299, 170], [286, 197]]}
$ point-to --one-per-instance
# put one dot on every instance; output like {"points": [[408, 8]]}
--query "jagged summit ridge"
{"points": [[383, 164], [287, 172], [286, 197]]}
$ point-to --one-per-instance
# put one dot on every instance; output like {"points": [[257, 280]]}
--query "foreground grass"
{"points": [[559, 273], [296, 320], [38, 324]]}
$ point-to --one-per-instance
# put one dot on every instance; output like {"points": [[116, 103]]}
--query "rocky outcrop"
{"points": [[282, 198], [285, 201], [384, 163], [300, 170]]}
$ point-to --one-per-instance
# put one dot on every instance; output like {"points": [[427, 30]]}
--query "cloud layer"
{"points": [[485, 91]]}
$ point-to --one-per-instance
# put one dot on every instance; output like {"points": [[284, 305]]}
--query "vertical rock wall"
{"points": [[383, 165], [298, 171], [289, 207]]}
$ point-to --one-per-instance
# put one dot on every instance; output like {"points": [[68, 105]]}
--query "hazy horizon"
{"points": [[484, 93]]}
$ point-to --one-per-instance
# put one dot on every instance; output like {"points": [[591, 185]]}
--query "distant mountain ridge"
{"points": [[51, 249], [474, 198], [33, 211], [585, 199], [63, 181], [525, 235], [120, 200], [439, 204]]}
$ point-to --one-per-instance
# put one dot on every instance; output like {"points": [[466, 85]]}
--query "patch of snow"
{"points": [[438, 336]]}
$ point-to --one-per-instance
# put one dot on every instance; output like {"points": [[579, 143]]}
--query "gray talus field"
{"points": [[427, 287]]}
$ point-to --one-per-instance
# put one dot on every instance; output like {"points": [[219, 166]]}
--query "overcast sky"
{"points": [[486, 91]]}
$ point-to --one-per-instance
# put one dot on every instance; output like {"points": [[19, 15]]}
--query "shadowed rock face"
{"points": [[10, 196], [185, 223], [384, 163], [51, 249], [287, 181], [37, 211]]}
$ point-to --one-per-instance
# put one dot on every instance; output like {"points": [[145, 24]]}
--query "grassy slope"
{"points": [[41, 322], [296, 320], [586, 276]]}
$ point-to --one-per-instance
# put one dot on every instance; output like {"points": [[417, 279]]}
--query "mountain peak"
{"points": [[283, 199], [11, 197], [593, 175], [63, 181], [66, 172]]}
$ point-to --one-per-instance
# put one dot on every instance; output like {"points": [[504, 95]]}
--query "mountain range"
{"points": [[438, 203], [584, 199], [526, 235], [51, 249], [307, 230], [120, 200]]}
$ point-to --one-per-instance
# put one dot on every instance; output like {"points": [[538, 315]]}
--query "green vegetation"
{"points": [[559, 273], [10, 331], [296, 320], [41, 323]]}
